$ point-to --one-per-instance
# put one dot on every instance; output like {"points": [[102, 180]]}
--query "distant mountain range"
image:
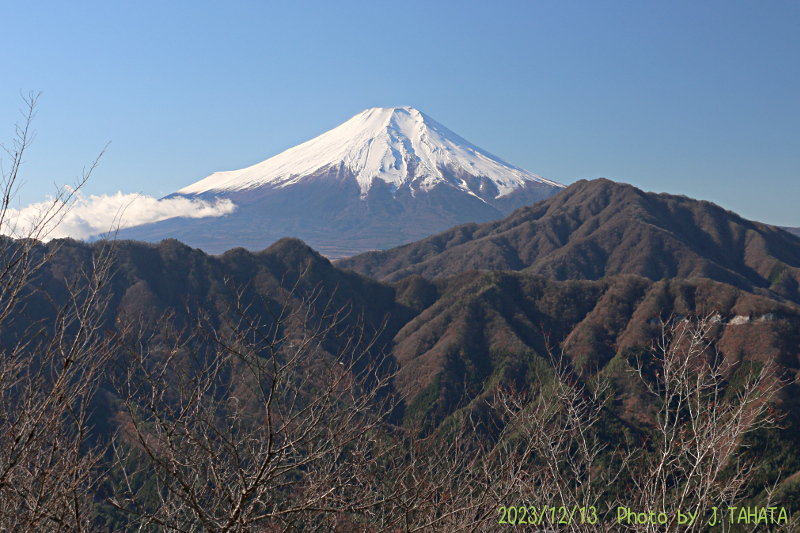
{"points": [[386, 177], [600, 228], [795, 231]]}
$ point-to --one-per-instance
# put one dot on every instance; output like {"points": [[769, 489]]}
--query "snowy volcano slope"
{"points": [[394, 145], [386, 177]]}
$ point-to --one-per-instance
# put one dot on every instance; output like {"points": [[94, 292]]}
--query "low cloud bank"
{"points": [[95, 215]]}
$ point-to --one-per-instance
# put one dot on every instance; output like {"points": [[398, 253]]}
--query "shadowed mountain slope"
{"points": [[152, 283], [601, 228]]}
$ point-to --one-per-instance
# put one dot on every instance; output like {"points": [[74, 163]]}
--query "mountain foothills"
{"points": [[592, 271], [594, 229], [387, 176], [595, 273], [458, 333]]}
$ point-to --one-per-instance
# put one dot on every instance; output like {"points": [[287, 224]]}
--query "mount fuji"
{"points": [[386, 177]]}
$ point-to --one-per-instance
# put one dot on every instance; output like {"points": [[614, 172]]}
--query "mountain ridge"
{"points": [[470, 329], [599, 228], [793, 231]]}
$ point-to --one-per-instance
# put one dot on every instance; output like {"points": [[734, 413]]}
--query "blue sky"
{"points": [[694, 98]]}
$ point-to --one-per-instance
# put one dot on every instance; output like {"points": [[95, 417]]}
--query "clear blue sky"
{"points": [[698, 98]]}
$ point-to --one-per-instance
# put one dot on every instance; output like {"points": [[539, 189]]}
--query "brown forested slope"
{"points": [[492, 326], [600, 228], [458, 331], [454, 340], [451, 337]]}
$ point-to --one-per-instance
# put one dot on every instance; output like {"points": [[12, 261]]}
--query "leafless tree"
{"points": [[545, 457], [691, 460], [255, 421], [547, 465], [271, 429], [555, 471], [443, 481], [21, 233], [49, 368]]}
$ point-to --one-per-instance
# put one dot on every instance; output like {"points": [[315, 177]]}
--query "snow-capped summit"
{"points": [[386, 177], [398, 145]]}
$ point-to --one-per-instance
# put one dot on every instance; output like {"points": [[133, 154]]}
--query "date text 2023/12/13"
{"points": [[554, 516]]}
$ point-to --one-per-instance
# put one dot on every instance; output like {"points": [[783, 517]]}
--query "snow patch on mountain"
{"points": [[397, 145]]}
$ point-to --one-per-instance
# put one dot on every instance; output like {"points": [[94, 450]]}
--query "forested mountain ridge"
{"points": [[473, 324], [461, 332], [494, 326], [453, 341], [601, 228], [152, 281]]}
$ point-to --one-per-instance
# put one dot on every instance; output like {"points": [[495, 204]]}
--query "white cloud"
{"points": [[99, 214]]}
